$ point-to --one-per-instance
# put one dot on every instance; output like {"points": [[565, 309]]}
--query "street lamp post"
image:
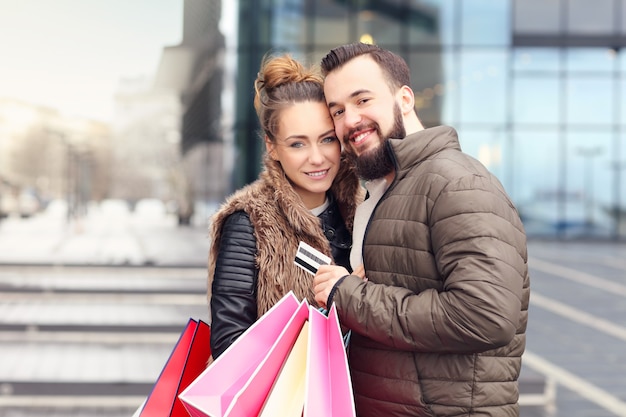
{"points": [[618, 213], [588, 153]]}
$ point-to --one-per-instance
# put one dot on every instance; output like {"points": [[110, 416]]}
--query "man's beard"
{"points": [[377, 162]]}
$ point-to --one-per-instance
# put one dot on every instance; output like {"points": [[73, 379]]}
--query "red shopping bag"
{"points": [[237, 383], [187, 360]]}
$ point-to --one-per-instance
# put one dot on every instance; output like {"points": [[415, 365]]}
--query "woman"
{"points": [[306, 192]]}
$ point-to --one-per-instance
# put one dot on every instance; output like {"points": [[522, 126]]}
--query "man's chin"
{"points": [[374, 163], [369, 171], [365, 152]]}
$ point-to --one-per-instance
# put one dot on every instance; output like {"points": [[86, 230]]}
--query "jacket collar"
{"points": [[422, 145]]}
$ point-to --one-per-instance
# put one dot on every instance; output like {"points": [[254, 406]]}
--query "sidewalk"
{"points": [[103, 238], [87, 342], [90, 338]]}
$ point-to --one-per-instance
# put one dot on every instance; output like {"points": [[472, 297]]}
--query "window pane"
{"points": [[290, 25], [485, 22], [427, 84], [331, 24], [489, 146], [536, 100], [536, 16], [536, 181], [589, 100], [483, 87], [384, 28], [590, 17], [432, 23], [590, 59], [536, 59], [451, 91], [622, 93]]}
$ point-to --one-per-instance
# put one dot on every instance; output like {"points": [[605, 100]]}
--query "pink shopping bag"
{"points": [[328, 383], [315, 380], [237, 383]]}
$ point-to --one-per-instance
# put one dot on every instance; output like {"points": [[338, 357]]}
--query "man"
{"points": [[438, 324]]}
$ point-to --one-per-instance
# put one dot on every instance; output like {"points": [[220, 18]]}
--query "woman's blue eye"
{"points": [[329, 139]]}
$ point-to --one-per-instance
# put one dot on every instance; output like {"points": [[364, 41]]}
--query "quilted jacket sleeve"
{"points": [[457, 283], [233, 299]]}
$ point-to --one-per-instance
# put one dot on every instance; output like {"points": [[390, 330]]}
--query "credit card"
{"points": [[309, 258]]}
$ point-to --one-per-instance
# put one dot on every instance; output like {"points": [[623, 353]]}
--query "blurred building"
{"points": [[535, 89], [194, 71], [45, 156], [145, 143]]}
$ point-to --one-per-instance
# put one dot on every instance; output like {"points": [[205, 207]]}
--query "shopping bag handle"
{"points": [[346, 337]]}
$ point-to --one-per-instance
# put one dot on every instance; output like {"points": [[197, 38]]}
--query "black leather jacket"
{"points": [[233, 299]]}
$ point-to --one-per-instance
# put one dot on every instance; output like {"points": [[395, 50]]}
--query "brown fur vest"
{"points": [[280, 222]]}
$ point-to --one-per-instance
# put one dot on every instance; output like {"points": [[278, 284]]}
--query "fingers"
{"points": [[333, 270], [321, 292], [320, 299], [320, 284], [324, 281]]}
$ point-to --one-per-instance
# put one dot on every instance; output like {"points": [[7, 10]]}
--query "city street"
{"points": [[87, 324]]}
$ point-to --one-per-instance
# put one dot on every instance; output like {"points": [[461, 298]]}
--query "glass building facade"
{"points": [[535, 88]]}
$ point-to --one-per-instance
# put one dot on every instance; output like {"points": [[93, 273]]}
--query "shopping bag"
{"points": [[328, 387], [303, 369], [187, 360], [315, 380], [286, 398], [237, 383]]}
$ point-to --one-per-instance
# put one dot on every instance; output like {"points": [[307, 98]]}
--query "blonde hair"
{"points": [[281, 82]]}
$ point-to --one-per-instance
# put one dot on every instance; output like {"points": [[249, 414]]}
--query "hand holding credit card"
{"points": [[309, 258]]}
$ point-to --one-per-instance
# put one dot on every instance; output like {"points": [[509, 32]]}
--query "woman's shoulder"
{"points": [[238, 218]]}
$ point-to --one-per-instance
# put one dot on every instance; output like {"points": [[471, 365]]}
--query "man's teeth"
{"points": [[360, 137]]}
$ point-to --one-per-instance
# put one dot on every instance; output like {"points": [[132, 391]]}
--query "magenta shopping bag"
{"points": [[237, 383], [328, 383]]}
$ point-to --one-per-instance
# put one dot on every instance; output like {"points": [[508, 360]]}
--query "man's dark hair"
{"points": [[394, 67]]}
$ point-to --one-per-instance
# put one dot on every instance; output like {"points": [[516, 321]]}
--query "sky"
{"points": [[71, 54]]}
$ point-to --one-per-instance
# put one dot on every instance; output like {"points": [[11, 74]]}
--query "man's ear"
{"points": [[270, 148], [407, 99]]}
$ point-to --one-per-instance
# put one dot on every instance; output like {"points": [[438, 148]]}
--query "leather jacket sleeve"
{"points": [[233, 299], [339, 237]]}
